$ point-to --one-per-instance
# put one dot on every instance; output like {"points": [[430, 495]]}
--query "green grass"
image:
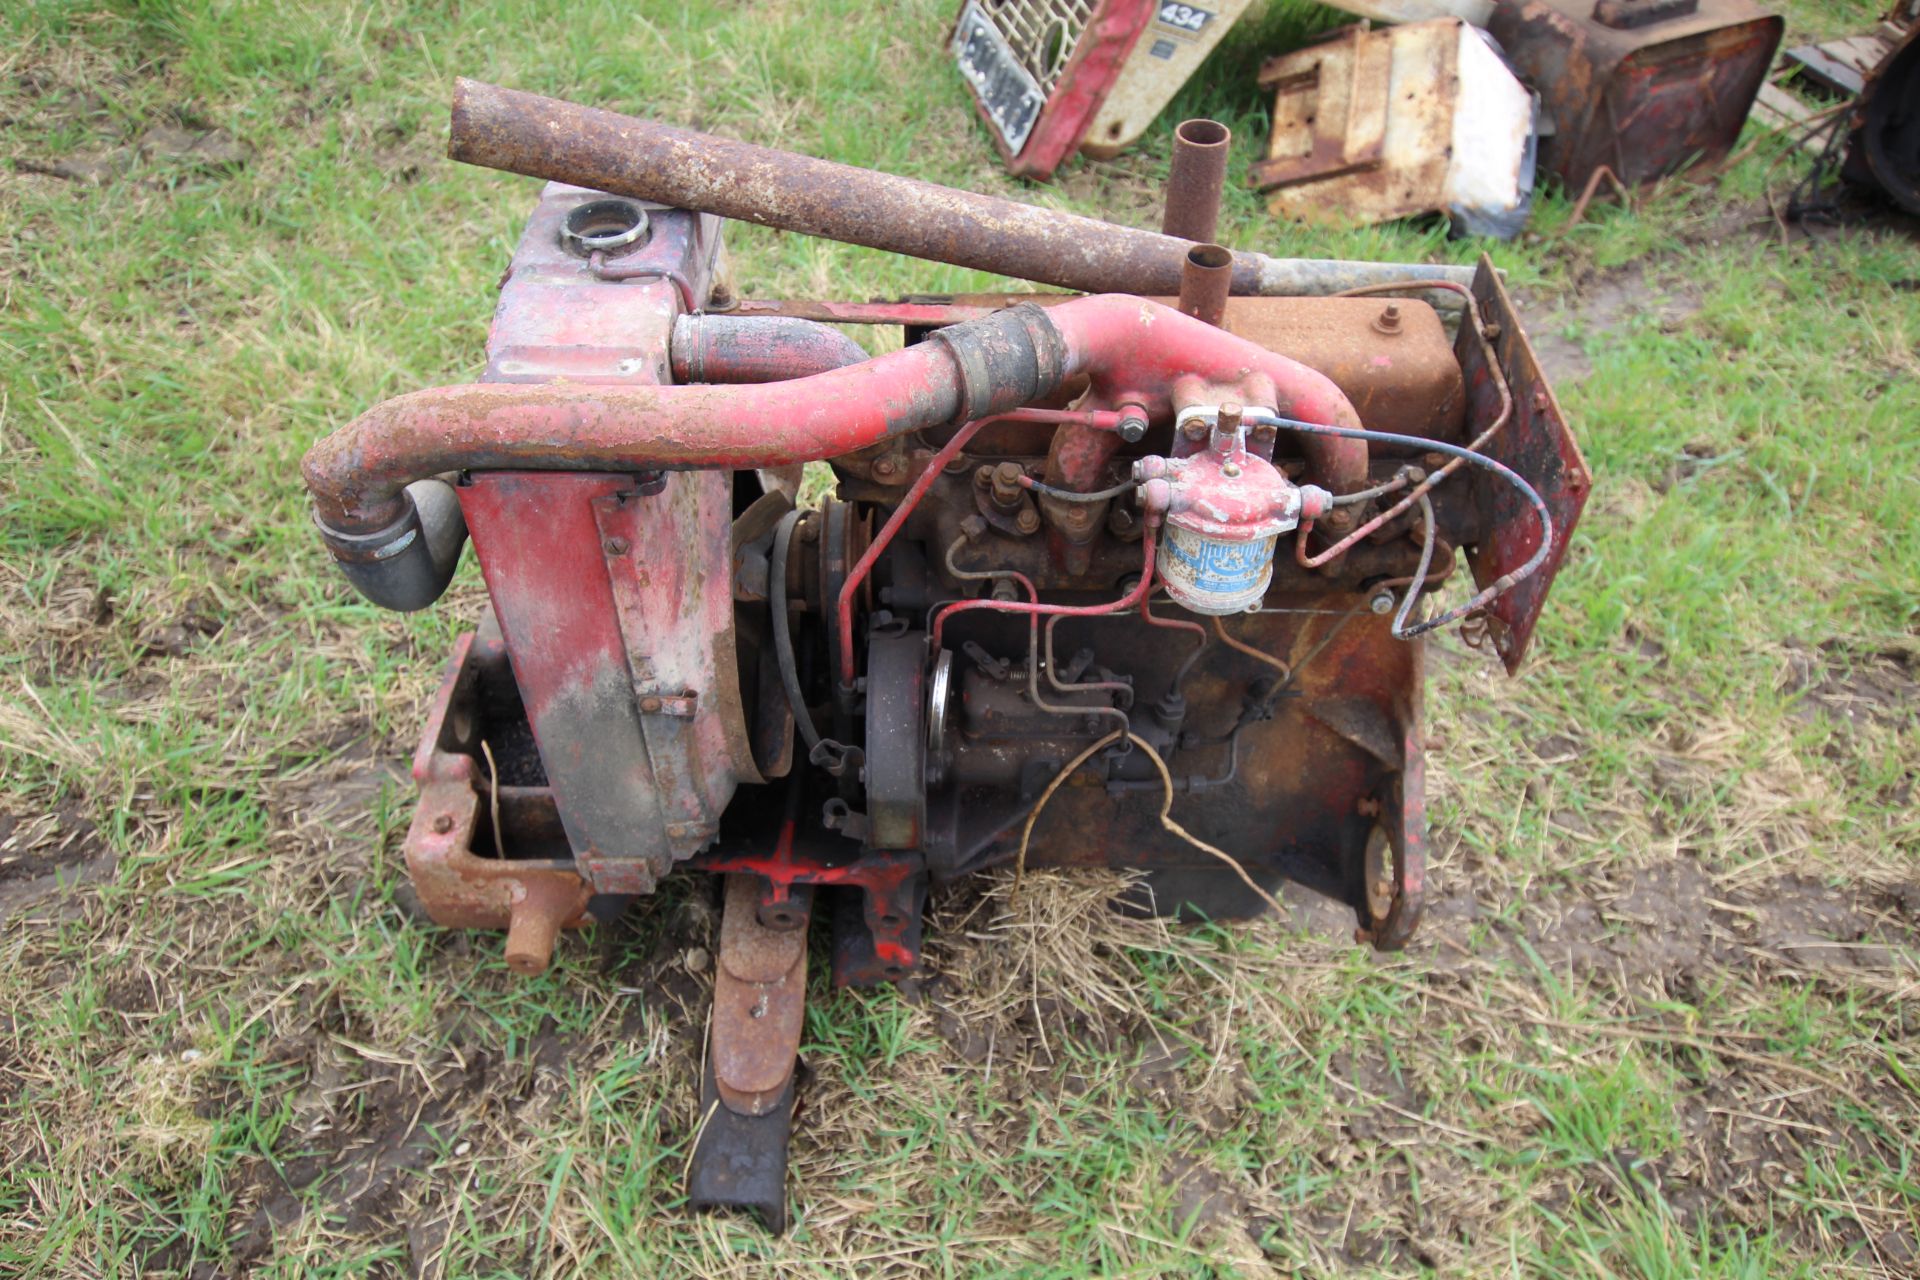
{"points": [[181, 673]]}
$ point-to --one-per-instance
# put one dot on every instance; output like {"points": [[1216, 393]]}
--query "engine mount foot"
{"points": [[740, 1161], [860, 957], [746, 1090]]}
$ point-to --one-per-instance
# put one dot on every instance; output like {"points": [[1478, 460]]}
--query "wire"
{"points": [[987, 575], [1398, 630], [936, 466], [1166, 820], [1166, 814], [1254, 712], [1121, 605], [1505, 582], [1120, 687], [1176, 624], [1241, 646], [934, 469], [1033, 814], [783, 629], [1500, 419], [1074, 495], [1400, 481]]}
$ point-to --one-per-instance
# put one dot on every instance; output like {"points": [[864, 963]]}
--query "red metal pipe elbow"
{"points": [[1134, 350], [358, 475]]}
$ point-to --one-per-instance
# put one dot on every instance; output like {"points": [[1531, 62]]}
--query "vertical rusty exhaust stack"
{"points": [[1206, 278], [1198, 176]]}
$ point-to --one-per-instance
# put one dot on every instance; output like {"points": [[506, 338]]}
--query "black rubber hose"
{"points": [[783, 629], [1074, 495]]}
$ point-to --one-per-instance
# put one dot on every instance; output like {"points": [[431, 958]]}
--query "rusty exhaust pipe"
{"points": [[1194, 183], [565, 142], [1206, 278]]}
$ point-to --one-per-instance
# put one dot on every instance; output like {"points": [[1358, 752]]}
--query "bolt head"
{"points": [[1028, 520], [615, 546], [1382, 602], [1132, 429], [885, 466], [443, 824], [649, 704]]}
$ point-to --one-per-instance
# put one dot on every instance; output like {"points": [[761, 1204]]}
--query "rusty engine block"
{"points": [[1121, 580]]}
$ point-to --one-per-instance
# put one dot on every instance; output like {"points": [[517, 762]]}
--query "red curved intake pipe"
{"points": [[1132, 351]]}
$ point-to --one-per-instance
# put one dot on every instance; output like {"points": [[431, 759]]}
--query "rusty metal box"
{"points": [[1645, 87]]}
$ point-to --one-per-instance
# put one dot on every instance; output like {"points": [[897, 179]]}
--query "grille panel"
{"points": [[1043, 33]]}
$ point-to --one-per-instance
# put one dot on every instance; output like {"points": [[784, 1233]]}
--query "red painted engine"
{"points": [[1100, 584]]}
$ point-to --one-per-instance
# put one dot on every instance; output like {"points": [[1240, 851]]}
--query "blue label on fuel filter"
{"points": [[1216, 566]]}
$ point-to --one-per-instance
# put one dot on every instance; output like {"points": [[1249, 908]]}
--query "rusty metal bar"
{"points": [[1194, 183], [1206, 277], [565, 142], [928, 314], [738, 349]]}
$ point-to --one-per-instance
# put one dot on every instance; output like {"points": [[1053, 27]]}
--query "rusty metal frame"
{"points": [[1645, 100], [1538, 444], [1337, 93]]}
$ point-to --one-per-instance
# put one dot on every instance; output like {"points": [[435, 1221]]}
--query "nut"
{"points": [[885, 466], [1028, 521]]}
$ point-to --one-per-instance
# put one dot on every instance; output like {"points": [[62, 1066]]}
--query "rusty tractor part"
{"points": [[1645, 87], [1204, 281], [1196, 180], [1051, 77], [1101, 584], [1883, 145], [1373, 125], [564, 142]]}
